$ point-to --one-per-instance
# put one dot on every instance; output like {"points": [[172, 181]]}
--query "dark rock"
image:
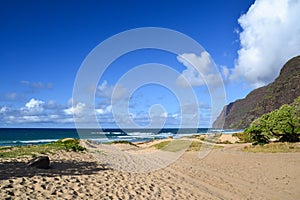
{"points": [[41, 162], [285, 88]]}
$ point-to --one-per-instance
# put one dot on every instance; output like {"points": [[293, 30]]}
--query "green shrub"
{"points": [[244, 137], [34, 150], [282, 123], [69, 144]]}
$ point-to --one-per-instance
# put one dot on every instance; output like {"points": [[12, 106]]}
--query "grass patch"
{"points": [[195, 146], [34, 150], [173, 145], [122, 142], [276, 147], [177, 145], [161, 144]]}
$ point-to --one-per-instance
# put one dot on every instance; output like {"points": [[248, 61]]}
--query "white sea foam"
{"points": [[36, 141]]}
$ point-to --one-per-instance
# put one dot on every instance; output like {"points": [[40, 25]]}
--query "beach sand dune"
{"points": [[225, 173]]}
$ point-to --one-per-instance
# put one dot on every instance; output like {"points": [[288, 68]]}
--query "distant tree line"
{"points": [[282, 124]]}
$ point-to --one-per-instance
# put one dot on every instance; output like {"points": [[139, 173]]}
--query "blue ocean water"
{"points": [[25, 136]]}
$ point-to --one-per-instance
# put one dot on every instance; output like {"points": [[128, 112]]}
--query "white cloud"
{"points": [[105, 110], [34, 111], [37, 111], [270, 36], [70, 102], [164, 115], [175, 115], [201, 70], [78, 109], [3, 109], [24, 119], [33, 106], [225, 72], [109, 91], [32, 118], [103, 86]]}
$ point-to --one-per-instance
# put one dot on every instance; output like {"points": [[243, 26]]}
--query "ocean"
{"points": [[26, 136]]}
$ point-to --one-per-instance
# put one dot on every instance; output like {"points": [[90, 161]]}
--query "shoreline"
{"points": [[107, 139]]}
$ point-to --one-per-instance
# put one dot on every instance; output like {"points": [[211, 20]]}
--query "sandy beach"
{"points": [[225, 173]]}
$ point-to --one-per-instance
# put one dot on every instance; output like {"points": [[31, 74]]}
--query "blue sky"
{"points": [[43, 44]]}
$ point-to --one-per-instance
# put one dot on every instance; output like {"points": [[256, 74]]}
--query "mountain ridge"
{"points": [[283, 90]]}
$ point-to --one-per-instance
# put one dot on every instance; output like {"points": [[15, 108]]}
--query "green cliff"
{"points": [[285, 88]]}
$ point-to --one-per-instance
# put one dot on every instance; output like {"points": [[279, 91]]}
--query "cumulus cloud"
{"points": [[33, 106], [201, 70], [77, 109], [269, 37], [33, 103], [39, 112], [34, 111]]}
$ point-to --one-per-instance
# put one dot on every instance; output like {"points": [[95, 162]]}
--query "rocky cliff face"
{"points": [[283, 90]]}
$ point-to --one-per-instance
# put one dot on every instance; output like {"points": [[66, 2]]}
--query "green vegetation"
{"points": [[282, 124], [177, 145], [277, 147], [161, 144], [69, 144], [34, 150], [243, 137], [195, 146], [122, 142], [224, 142], [173, 145]]}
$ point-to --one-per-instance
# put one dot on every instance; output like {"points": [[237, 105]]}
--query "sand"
{"points": [[225, 173], [228, 138]]}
